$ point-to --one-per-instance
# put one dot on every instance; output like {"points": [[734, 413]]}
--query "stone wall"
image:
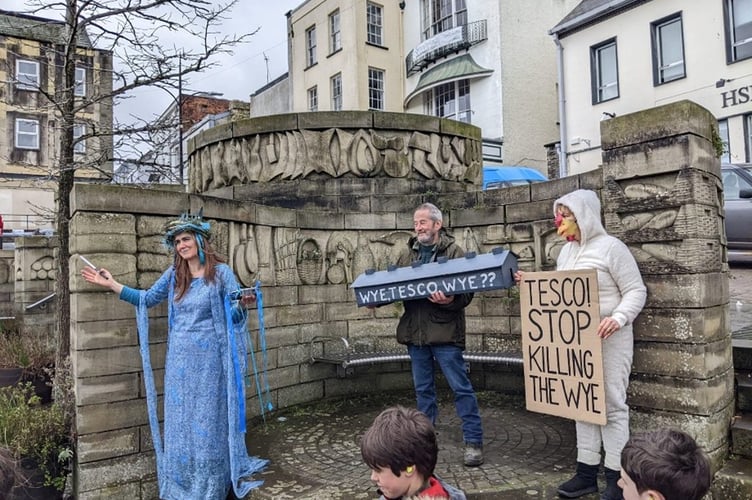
{"points": [[27, 277], [6, 283], [305, 237], [334, 144]]}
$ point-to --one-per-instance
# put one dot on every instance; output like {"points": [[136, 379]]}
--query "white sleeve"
{"points": [[626, 274]]}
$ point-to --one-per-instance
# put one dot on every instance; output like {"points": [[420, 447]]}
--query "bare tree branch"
{"points": [[132, 34]]}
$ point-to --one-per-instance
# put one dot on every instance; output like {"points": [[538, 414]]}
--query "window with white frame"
{"points": [[313, 99], [27, 133], [604, 72], [79, 89], [310, 37], [748, 136], [335, 37], [79, 130], [27, 74], [668, 50], [376, 89], [723, 131], [441, 15], [738, 20], [375, 23], [450, 100], [336, 82]]}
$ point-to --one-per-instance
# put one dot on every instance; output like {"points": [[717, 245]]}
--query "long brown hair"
{"points": [[183, 276]]}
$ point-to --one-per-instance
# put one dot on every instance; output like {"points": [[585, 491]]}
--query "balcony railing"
{"points": [[445, 43], [25, 222]]}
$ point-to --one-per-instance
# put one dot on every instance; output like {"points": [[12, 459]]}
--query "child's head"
{"points": [[400, 448], [664, 464]]}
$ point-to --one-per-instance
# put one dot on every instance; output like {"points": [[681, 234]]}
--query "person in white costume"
{"points": [[622, 294]]}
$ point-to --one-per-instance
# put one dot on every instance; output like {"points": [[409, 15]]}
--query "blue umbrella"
{"points": [[510, 176]]}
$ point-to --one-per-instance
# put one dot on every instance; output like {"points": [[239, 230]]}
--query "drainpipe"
{"points": [[562, 108]]}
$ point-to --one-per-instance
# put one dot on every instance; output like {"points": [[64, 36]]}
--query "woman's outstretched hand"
{"points": [[101, 277]]}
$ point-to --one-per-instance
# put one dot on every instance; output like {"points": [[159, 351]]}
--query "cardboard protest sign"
{"points": [[563, 361]]}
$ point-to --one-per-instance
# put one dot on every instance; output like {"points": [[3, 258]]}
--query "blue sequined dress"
{"points": [[203, 453]]}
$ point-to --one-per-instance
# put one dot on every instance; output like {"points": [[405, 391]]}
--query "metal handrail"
{"points": [[40, 302], [348, 357], [24, 221]]}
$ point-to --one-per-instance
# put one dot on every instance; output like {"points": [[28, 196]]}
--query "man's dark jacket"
{"points": [[426, 323]]}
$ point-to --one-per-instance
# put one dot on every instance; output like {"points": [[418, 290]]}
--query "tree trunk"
{"points": [[66, 175]]}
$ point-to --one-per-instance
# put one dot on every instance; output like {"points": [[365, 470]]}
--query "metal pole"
{"points": [[180, 120]]}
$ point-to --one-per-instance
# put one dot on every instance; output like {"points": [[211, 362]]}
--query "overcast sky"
{"points": [[237, 75]]}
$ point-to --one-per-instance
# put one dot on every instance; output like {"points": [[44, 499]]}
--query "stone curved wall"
{"points": [[331, 145], [308, 238]]}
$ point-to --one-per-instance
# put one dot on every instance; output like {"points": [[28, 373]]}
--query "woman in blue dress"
{"points": [[203, 454]]}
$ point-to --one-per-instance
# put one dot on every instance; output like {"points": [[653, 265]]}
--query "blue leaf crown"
{"points": [[187, 222]]}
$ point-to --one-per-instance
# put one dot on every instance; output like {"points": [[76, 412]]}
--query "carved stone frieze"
{"points": [[310, 262], [337, 151], [339, 258]]}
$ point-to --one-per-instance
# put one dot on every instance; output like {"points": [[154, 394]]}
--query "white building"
{"points": [[621, 56], [488, 63], [485, 62]]}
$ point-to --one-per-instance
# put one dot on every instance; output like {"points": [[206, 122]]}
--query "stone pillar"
{"points": [[114, 457], [663, 198], [34, 282]]}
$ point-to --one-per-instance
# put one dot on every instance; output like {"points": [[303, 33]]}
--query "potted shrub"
{"points": [[36, 443], [26, 356], [10, 359]]}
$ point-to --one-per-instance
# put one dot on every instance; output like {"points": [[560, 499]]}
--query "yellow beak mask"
{"points": [[566, 227]]}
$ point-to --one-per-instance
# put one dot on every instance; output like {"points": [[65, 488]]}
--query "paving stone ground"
{"points": [[740, 301], [315, 455]]}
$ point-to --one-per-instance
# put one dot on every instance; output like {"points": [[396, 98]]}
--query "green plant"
{"points": [[719, 146], [31, 431]]}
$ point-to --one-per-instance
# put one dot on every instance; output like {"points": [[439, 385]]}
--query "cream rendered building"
{"points": [[485, 62], [628, 55], [30, 53], [345, 55]]}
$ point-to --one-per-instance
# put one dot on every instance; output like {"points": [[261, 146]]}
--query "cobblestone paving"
{"points": [[315, 454]]}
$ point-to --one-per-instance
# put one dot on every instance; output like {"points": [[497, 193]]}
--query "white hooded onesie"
{"points": [[622, 295]]}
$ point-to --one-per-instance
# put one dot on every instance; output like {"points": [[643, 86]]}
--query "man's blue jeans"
{"points": [[452, 364]]}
